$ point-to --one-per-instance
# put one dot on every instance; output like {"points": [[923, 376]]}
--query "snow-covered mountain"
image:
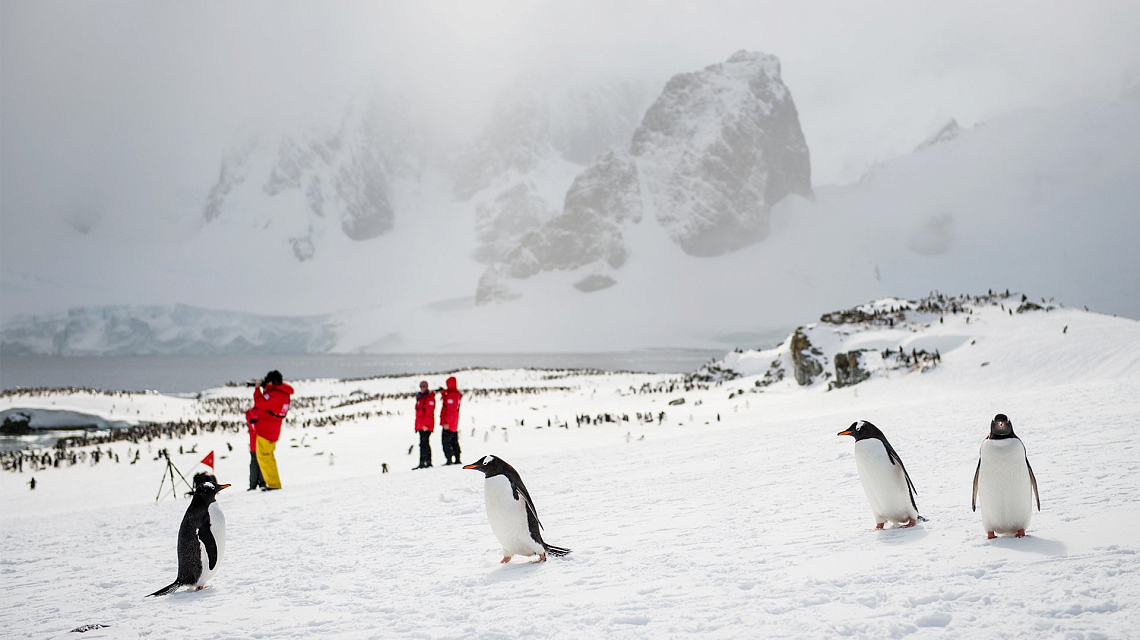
{"points": [[713, 153], [616, 254], [343, 176], [177, 329]]}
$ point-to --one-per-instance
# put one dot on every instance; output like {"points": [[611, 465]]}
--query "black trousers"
{"points": [[425, 448], [255, 479], [451, 445]]}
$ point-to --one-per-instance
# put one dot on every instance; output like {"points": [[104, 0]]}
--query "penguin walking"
{"points": [[884, 478], [201, 540], [1004, 481], [512, 513]]}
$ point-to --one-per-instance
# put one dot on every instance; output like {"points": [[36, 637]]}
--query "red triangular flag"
{"points": [[209, 460]]}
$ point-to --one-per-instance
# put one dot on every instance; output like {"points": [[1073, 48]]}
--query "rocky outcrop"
{"points": [[948, 132], [805, 366], [848, 369]]}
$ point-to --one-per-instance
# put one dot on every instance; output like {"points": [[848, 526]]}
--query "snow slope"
{"points": [[740, 515]]}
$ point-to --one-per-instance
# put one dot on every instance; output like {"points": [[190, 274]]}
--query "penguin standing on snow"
{"points": [[884, 478], [1005, 482], [512, 513], [201, 540]]}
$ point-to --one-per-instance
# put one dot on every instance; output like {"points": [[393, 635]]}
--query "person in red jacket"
{"points": [[271, 400], [425, 422], [255, 479], [449, 399]]}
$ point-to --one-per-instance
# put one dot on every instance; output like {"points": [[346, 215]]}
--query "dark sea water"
{"points": [[188, 374]]}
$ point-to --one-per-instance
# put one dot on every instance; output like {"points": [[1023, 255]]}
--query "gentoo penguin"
{"points": [[884, 478], [512, 513], [201, 540], [1005, 482]]}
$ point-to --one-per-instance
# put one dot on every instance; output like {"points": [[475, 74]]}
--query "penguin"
{"points": [[1005, 481], [884, 478], [512, 513], [201, 540]]}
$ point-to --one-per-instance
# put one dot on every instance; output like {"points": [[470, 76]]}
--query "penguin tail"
{"points": [[923, 519], [557, 552], [167, 590]]}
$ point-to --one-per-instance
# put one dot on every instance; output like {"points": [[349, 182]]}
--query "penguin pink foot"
{"points": [[1020, 533], [505, 560], [205, 586], [910, 524], [879, 526], [991, 535], [542, 557]]}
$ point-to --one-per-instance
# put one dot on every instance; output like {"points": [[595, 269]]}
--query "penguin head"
{"points": [[489, 465], [1001, 427], [206, 491], [862, 430]]}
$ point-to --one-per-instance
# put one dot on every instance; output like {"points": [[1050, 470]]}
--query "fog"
{"points": [[118, 113]]}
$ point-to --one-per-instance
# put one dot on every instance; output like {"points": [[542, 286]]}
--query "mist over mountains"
{"points": [[624, 214]]}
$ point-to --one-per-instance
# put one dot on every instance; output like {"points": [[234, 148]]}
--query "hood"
{"points": [[451, 384], [282, 388]]}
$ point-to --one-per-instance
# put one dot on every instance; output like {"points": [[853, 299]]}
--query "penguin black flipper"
{"points": [[977, 472], [1032, 481], [894, 457], [211, 545], [518, 488]]}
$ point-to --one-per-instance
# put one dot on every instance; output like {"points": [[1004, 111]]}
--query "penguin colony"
{"points": [[1003, 479]]}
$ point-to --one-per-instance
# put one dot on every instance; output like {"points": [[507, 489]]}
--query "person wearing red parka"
{"points": [[449, 399], [425, 422], [271, 400], [255, 479]]}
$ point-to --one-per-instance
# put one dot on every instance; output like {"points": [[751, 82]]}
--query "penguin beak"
{"points": [[222, 486], [474, 465], [845, 433]]}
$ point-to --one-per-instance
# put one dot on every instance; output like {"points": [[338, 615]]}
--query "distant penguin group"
{"points": [[1003, 479]]}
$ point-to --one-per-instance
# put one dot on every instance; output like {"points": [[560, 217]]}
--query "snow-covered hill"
{"points": [[731, 514]]}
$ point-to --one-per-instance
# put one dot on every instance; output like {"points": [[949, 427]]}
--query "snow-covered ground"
{"points": [[735, 517]]}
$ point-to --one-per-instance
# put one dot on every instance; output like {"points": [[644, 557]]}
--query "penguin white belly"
{"points": [[1005, 495], [883, 482], [508, 518], [218, 528]]}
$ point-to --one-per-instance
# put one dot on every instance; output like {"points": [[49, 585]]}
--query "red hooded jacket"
{"points": [[272, 404], [449, 406], [425, 411]]}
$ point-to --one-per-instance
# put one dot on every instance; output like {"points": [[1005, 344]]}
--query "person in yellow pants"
{"points": [[271, 399], [268, 463]]}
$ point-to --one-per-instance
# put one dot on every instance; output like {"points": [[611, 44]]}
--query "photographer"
{"points": [[271, 401]]}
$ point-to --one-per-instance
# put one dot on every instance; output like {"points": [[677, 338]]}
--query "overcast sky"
{"points": [[125, 108]]}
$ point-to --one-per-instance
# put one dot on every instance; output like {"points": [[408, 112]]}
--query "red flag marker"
{"points": [[209, 460]]}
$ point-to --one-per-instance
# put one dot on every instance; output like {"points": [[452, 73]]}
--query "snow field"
{"points": [[754, 525]]}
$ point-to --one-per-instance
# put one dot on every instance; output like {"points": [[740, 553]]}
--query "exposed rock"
{"points": [[501, 223], [848, 371], [948, 132], [494, 287], [595, 282], [804, 365]]}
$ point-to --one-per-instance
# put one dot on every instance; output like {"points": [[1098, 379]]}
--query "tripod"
{"points": [[170, 471]]}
